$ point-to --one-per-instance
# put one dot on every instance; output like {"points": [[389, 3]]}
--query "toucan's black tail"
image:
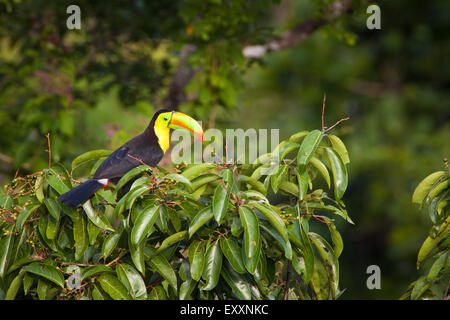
{"points": [[80, 193]]}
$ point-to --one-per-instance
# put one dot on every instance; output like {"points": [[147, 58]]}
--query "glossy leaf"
{"points": [[113, 287], [96, 217], [278, 177], [162, 266], [144, 222], [93, 270], [340, 176], [196, 170], [88, 156], [130, 175], [199, 220], [220, 202], [197, 259], [273, 218], [320, 166], [233, 253], [172, 239], [213, 265], [80, 236], [237, 283], [340, 148], [132, 281], [46, 271], [425, 186], [307, 148]]}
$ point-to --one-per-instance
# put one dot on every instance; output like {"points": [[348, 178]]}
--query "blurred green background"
{"points": [[96, 87]]}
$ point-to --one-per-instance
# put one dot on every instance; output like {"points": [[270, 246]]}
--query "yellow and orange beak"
{"points": [[179, 120]]}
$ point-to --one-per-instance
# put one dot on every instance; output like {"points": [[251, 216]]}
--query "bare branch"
{"points": [[181, 77], [298, 33]]}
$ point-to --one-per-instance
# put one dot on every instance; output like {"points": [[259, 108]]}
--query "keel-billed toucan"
{"points": [[148, 148]]}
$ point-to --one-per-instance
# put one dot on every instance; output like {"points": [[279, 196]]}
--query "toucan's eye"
{"points": [[165, 119]]}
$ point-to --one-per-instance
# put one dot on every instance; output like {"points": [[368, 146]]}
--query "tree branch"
{"points": [[181, 77], [298, 33]]}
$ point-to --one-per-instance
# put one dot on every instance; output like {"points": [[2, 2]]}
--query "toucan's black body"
{"points": [[144, 147]]}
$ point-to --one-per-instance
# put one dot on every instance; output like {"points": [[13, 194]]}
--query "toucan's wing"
{"points": [[132, 154], [116, 165]]}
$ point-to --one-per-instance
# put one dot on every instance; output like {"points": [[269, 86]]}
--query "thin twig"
{"points": [[323, 111], [49, 150], [334, 125], [118, 258]]}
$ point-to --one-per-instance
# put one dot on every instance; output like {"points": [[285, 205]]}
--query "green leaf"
{"points": [[340, 148], [96, 218], [251, 237], [21, 262], [56, 183], [338, 211], [27, 282], [285, 245], [320, 166], [145, 220], [255, 184], [93, 270], [199, 220], [98, 294], [233, 253], [438, 265], [186, 289], [425, 186], [237, 283], [53, 207], [157, 293], [278, 177], [14, 286], [110, 243], [132, 281], [307, 148], [88, 156], [162, 266], [52, 228], [24, 214], [131, 174], [80, 236], [196, 170], [338, 244], [307, 254], [137, 255], [93, 232], [172, 239], [197, 259], [251, 230], [296, 137], [289, 188], [327, 255], [6, 246], [420, 286], [213, 265], [250, 194], [340, 177], [46, 271], [273, 218], [135, 192], [220, 203], [113, 287], [39, 188], [181, 179], [204, 179]]}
